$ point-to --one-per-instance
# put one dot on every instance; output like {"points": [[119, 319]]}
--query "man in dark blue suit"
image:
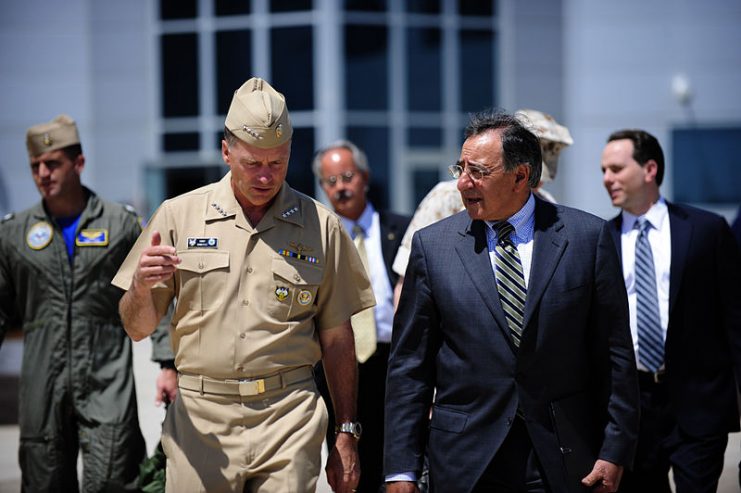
{"points": [[691, 296], [343, 172], [513, 315]]}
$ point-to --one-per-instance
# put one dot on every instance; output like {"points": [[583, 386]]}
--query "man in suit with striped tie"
{"points": [[514, 313], [681, 271]]}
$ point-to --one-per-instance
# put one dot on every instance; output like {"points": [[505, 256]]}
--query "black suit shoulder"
{"points": [[393, 227]]}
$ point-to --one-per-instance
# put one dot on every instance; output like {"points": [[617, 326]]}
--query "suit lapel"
{"points": [[549, 243], [681, 232], [474, 253], [616, 224]]}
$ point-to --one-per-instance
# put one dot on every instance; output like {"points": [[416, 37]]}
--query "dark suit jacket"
{"points": [[450, 334], [393, 227], [703, 342]]}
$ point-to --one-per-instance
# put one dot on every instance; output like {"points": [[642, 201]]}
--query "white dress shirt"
{"points": [[369, 222], [659, 237]]}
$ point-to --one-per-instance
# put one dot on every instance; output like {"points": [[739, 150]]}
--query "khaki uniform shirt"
{"points": [[250, 299]]}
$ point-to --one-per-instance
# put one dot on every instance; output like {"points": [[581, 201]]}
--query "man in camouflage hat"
{"points": [[265, 281], [77, 384]]}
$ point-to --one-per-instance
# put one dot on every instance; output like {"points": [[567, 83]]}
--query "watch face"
{"points": [[355, 429]]}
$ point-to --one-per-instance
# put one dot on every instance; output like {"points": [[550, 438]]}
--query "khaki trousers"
{"points": [[269, 443]]}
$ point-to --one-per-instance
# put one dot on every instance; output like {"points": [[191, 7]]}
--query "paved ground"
{"points": [[151, 417]]}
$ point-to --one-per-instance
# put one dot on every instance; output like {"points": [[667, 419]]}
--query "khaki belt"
{"points": [[245, 387]]}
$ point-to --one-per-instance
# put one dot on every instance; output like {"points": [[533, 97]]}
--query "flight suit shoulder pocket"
{"points": [[200, 262], [448, 420]]}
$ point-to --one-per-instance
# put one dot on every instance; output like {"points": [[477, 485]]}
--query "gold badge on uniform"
{"points": [[279, 130], [304, 297], [281, 293], [92, 237], [47, 139], [40, 235]]}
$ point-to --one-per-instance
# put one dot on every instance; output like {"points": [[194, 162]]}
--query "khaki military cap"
{"points": [[50, 136], [258, 115]]}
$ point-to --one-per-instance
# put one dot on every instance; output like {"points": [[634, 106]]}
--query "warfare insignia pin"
{"points": [[207, 242], [281, 293], [92, 237], [40, 235], [304, 297]]}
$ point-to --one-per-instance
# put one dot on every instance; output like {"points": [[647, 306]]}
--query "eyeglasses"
{"points": [[331, 181], [474, 171]]}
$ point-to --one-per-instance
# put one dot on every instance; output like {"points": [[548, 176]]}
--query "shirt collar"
{"points": [[365, 221], [655, 215], [523, 221]]}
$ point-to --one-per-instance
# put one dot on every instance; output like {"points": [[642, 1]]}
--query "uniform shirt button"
{"points": [[240, 369], [242, 336], [200, 265], [249, 270], [297, 278], [245, 302]]}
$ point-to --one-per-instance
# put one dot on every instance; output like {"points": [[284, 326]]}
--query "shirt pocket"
{"points": [[296, 288], [203, 278]]}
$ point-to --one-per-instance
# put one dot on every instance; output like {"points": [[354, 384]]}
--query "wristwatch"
{"points": [[352, 427]]}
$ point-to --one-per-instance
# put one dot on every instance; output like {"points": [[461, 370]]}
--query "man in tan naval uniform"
{"points": [[265, 280]]}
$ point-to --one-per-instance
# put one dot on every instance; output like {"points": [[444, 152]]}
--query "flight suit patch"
{"points": [[205, 242], [40, 235], [92, 237], [281, 292]]}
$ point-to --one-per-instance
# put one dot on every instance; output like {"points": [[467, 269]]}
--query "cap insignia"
{"points": [[251, 132], [279, 131], [47, 139]]}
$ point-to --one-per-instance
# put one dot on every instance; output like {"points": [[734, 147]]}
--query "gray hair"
{"points": [[358, 156]]}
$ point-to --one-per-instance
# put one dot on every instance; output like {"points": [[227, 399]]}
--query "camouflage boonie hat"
{"points": [[258, 115]]}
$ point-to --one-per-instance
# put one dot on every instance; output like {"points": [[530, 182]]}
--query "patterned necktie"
{"points": [[364, 322], [648, 321], [510, 280]]}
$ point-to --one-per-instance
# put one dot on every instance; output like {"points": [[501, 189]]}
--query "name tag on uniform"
{"points": [[197, 242], [92, 237]]}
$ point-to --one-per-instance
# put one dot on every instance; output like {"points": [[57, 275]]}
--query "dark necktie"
{"points": [[648, 321], [510, 280]]}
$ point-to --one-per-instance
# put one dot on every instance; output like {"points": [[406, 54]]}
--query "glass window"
{"points": [[425, 137], [366, 67], [374, 142], [178, 9], [183, 179], [300, 176], [179, 74], [233, 65], [695, 151], [289, 5], [476, 7], [292, 65], [423, 6], [424, 180], [231, 7], [476, 76], [186, 141], [423, 69], [366, 5]]}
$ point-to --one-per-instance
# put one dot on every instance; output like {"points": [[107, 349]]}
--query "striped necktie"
{"points": [[510, 280], [648, 321], [364, 322]]}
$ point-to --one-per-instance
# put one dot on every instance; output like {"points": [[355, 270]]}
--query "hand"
{"points": [[605, 477], [156, 264], [401, 487], [166, 387], [343, 465]]}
